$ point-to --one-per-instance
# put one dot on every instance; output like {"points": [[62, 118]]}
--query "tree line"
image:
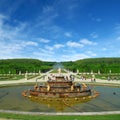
{"points": [[103, 65], [14, 66]]}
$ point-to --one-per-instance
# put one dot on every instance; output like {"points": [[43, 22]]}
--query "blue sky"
{"points": [[59, 30]]}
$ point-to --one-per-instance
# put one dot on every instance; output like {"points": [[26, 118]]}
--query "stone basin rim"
{"points": [[60, 113]]}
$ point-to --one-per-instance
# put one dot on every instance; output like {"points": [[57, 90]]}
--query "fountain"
{"points": [[60, 89], [109, 96]]}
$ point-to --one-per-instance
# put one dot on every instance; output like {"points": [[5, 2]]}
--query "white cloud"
{"points": [[74, 57], [45, 51], [67, 34], [44, 54], [28, 43], [87, 42], [57, 46], [104, 49], [8, 48], [74, 44], [90, 53], [94, 35], [46, 21], [43, 40], [13, 40], [3, 17], [10, 33], [118, 38], [49, 48], [47, 9], [15, 48]]}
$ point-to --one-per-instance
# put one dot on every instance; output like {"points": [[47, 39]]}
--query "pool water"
{"points": [[12, 99]]}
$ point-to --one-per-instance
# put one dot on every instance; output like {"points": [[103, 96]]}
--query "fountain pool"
{"points": [[108, 100]]}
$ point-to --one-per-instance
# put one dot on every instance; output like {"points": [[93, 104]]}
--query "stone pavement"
{"points": [[44, 78]]}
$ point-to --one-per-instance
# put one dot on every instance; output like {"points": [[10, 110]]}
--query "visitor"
{"points": [[108, 78]]}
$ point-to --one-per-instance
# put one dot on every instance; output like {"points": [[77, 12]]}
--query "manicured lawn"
{"points": [[11, 77], [43, 117], [15, 77]]}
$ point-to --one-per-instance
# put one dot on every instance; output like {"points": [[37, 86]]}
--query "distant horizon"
{"points": [[61, 61], [59, 30]]}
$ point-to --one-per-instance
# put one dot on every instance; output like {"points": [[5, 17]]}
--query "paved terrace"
{"points": [[44, 77]]}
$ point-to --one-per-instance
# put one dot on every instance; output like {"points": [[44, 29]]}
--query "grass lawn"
{"points": [[43, 117], [11, 77], [15, 77]]}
